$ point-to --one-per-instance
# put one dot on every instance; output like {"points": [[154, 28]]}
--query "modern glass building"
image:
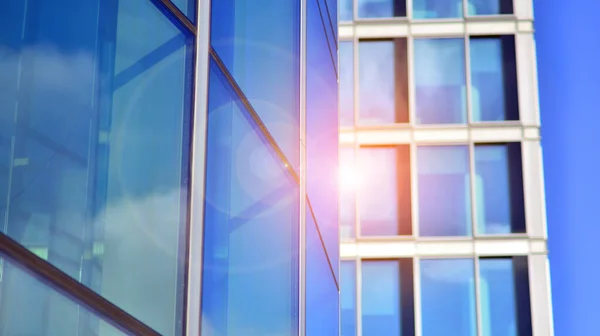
{"points": [[168, 167], [442, 213]]}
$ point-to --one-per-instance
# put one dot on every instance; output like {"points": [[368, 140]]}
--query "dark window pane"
{"points": [[499, 189], [490, 7], [346, 10], [437, 9], [322, 123], [387, 297], [385, 191], [493, 79], [349, 182], [261, 44], [250, 226], [440, 81], [32, 307], [383, 85], [346, 84], [95, 103], [368, 9], [448, 297], [444, 191], [348, 297], [322, 295]]}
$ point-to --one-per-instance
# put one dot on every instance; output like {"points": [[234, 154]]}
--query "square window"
{"points": [[489, 7], [371, 9], [437, 9]]}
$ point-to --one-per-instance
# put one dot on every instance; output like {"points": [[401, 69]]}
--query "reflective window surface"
{"points": [[31, 307], [444, 191], [440, 82], [497, 292], [262, 46], [499, 196], [250, 240], [489, 7], [346, 87], [380, 297], [348, 297], [493, 79], [346, 9], [385, 191], [94, 121], [380, 8], [448, 297], [383, 81], [437, 9], [349, 183]]}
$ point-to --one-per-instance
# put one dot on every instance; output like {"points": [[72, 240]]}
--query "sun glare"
{"points": [[349, 177]]}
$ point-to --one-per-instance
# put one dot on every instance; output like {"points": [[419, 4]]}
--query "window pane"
{"points": [[322, 124], [444, 191], [381, 8], [346, 10], [437, 9], [493, 79], [380, 298], [348, 297], [490, 7], [322, 295], [96, 100], [383, 85], [497, 292], [385, 191], [261, 44], [448, 297], [346, 84], [31, 307], [250, 226], [349, 182], [499, 189], [440, 81]]}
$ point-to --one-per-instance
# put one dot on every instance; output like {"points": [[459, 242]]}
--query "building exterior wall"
{"points": [[443, 227]]}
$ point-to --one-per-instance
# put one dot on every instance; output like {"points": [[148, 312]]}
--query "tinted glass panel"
{"points": [[497, 292], [493, 79], [322, 295], [381, 8], [31, 307], [346, 10], [346, 84], [437, 9], [349, 183], [490, 7], [383, 85], [95, 106], [250, 227], [385, 191], [499, 189], [188, 7], [444, 191], [348, 297], [261, 44], [448, 297], [440, 81], [380, 298]]}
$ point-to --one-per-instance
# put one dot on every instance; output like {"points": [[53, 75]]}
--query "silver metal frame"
{"points": [[302, 175]]}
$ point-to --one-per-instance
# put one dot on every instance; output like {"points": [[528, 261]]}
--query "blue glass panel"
{"points": [[261, 44], [492, 189], [322, 294], [489, 7], [346, 8], [381, 8], [95, 118], [349, 182], [32, 307], [346, 84], [385, 191], [376, 86], [497, 293], [380, 298], [493, 79], [440, 81], [322, 133], [250, 226], [448, 297], [444, 191], [348, 297], [187, 7], [437, 9]]}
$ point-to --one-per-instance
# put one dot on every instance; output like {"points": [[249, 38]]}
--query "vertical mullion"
{"points": [[355, 80], [302, 175], [356, 145], [468, 78], [417, 295], [412, 119], [473, 189], [478, 297], [359, 296]]}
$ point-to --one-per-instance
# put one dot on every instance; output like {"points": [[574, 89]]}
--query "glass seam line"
{"points": [[43, 270], [335, 70], [312, 213], [330, 23], [254, 115], [173, 10]]}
